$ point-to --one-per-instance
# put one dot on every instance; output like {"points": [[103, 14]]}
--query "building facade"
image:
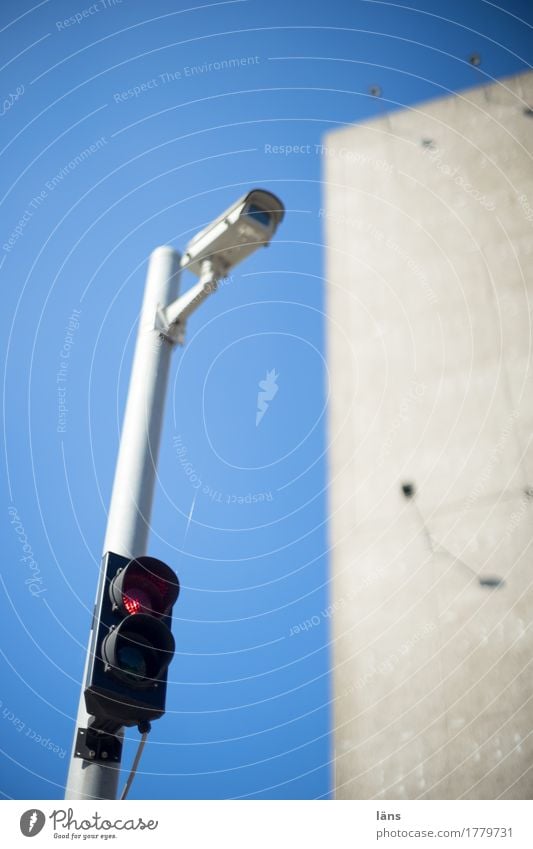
{"points": [[428, 217]]}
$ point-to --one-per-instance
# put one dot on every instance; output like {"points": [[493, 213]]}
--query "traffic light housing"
{"points": [[132, 644]]}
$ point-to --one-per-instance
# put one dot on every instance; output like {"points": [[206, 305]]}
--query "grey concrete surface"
{"points": [[428, 221]]}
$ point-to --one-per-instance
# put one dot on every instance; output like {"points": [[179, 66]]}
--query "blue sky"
{"points": [[169, 139]]}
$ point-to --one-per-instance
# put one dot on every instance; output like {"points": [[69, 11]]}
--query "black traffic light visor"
{"points": [[145, 585]]}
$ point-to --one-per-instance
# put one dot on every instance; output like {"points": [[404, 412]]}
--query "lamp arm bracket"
{"points": [[171, 320]]}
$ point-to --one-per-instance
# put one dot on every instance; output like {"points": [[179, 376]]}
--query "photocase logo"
{"points": [[32, 822], [268, 388]]}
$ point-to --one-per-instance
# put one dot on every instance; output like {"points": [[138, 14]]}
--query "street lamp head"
{"points": [[248, 224]]}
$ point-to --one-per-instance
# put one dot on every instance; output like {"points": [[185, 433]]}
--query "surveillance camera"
{"points": [[247, 225]]}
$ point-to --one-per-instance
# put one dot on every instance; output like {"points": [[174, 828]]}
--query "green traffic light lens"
{"points": [[132, 662], [138, 650], [146, 585]]}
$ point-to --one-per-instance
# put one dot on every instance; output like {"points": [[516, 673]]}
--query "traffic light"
{"points": [[132, 644]]}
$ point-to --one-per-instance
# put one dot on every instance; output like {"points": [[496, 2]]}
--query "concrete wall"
{"points": [[428, 220]]}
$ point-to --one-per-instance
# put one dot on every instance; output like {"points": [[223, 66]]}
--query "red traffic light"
{"points": [[136, 600], [145, 585]]}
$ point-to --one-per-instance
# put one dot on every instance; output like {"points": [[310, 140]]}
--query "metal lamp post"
{"points": [[247, 225]]}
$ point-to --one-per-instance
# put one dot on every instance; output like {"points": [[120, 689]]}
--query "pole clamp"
{"points": [[97, 746]]}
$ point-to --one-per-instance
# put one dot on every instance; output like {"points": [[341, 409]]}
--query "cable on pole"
{"points": [[144, 728]]}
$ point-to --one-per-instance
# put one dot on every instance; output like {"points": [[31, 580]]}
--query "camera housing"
{"points": [[248, 224]]}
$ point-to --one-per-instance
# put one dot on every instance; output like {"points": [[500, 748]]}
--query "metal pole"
{"points": [[128, 522]]}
